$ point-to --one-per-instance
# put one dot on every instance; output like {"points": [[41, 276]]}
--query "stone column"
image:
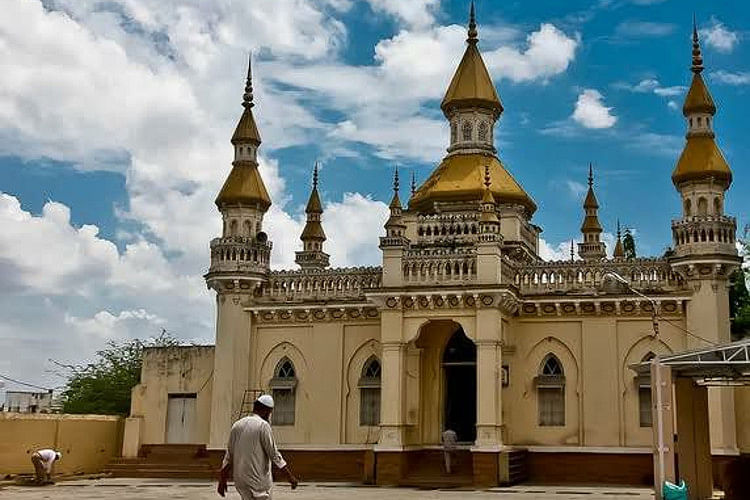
{"points": [[231, 365], [489, 380], [393, 387], [693, 448]]}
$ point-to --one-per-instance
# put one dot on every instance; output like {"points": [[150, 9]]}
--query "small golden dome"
{"points": [[471, 84], [698, 99], [591, 224], [701, 159], [244, 185], [314, 206], [461, 178], [247, 130], [313, 231]]}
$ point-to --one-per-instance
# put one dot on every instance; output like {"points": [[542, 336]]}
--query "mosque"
{"points": [[463, 326]]}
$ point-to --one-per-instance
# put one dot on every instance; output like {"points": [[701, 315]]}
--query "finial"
{"points": [[473, 34], [247, 97], [487, 180], [315, 176], [395, 181], [572, 252], [413, 182], [697, 66], [618, 228], [591, 175]]}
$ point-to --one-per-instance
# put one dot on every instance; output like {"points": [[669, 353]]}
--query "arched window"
{"points": [[644, 396], [717, 206], [483, 131], [702, 206], [466, 131], [550, 387], [369, 393], [283, 386], [233, 228], [687, 207]]}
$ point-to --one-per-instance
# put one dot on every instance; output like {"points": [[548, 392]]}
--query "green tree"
{"points": [[628, 245], [103, 386]]}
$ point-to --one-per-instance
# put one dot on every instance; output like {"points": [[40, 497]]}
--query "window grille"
{"points": [[369, 393], [550, 384], [283, 386]]}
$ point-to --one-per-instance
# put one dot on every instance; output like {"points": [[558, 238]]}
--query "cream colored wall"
{"points": [[601, 398], [328, 359], [87, 442], [742, 407], [167, 371]]}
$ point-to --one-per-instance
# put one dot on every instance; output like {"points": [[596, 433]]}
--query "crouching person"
{"points": [[250, 451], [43, 460]]}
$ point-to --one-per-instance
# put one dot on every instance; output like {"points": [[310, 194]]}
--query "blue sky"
{"points": [[115, 120]]}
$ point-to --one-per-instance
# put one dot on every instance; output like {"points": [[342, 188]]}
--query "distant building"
{"points": [[28, 401]]}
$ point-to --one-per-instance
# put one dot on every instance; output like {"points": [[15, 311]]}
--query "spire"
{"points": [[591, 248], [619, 252], [395, 201], [471, 85], [487, 197], [572, 251], [697, 66], [473, 33], [247, 130], [489, 216], [247, 97], [413, 182], [313, 236]]}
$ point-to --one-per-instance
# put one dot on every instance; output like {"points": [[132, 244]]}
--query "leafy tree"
{"points": [[628, 245], [104, 386]]}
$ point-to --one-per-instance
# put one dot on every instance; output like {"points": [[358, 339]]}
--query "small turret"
{"points": [[592, 248], [489, 224], [394, 226], [619, 252], [312, 255]]}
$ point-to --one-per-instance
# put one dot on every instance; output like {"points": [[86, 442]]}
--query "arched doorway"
{"points": [[460, 383]]}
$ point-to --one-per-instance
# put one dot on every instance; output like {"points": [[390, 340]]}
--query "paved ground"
{"points": [[160, 489]]}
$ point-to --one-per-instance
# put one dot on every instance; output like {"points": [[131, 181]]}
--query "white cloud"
{"points": [[549, 52], [416, 13], [652, 85], [731, 78], [555, 252], [575, 188], [590, 111], [718, 37], [110, 326]]}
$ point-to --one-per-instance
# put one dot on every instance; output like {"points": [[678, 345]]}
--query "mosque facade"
{"points": [[463, 326]]}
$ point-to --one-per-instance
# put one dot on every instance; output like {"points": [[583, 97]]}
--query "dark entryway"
{"points": [[460, 375]]}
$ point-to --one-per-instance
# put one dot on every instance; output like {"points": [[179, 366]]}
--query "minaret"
{"points": [[394, 243], [312, 255], [240, 261], [471, 103], [243, 250], [592, 248], [619, 252], [704, 240]]}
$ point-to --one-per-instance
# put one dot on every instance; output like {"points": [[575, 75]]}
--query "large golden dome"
{"points": [[461, 178], [701, 159]]}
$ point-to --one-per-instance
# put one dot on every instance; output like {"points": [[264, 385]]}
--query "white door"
{"points": [[181, 418]]}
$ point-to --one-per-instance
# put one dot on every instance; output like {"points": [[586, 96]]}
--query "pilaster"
{"points": [[392, 382], [489, 380], [231, 365]]}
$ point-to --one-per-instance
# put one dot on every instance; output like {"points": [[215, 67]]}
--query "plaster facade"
{"points": [[469, 327]]}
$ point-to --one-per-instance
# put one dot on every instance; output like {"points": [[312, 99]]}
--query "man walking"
{"points": [[250, 451], [43, 460], [449, 445]]}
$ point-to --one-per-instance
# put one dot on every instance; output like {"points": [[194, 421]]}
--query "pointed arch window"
{"points": [[466, 131], [645, 418], [283, 389], [483, 131], [454, 132], [369, 393], [550, 387]]}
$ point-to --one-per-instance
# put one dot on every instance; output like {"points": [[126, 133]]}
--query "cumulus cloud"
{"points": [[718, 37], [731, 78], [590, 111], [417, 13], [651, 85]]}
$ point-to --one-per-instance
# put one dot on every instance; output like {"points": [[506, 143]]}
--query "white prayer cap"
{"points": [[59, 455], [266, 400]]}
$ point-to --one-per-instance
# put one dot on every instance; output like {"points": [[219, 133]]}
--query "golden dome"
{"points": [[471, 84], [461, 178], [591, 224], [313, 231], [701, 159], [247, 130], [698, 99], [244, 185], [314, 206], [590, 201]]}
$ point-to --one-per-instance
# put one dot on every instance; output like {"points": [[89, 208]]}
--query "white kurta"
{"points": [[251, 449]]}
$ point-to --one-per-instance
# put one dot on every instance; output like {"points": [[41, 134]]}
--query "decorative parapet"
{"points": [[704, 234], [239, 255], [348, 283], [655, 275], [440, 265]]}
